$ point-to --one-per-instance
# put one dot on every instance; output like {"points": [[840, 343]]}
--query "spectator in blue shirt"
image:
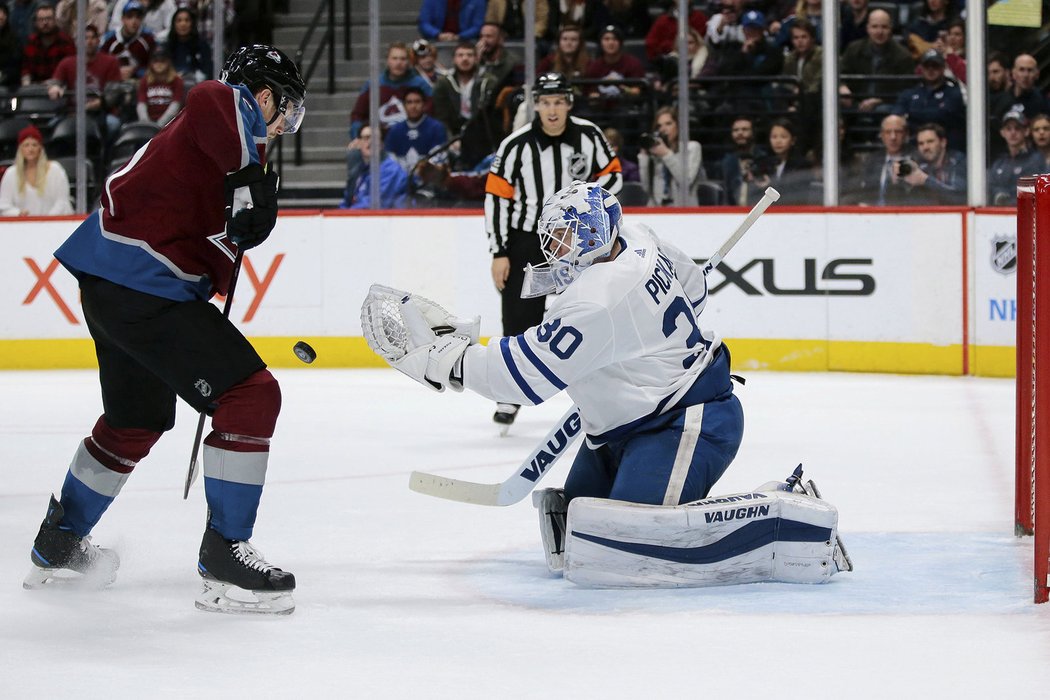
{"points": [[936, 99], [451, 20], [393, 181], [410, 140]]}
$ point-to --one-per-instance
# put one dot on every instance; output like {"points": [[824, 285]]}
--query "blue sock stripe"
{"points": [[83, 505], [233, 507]]}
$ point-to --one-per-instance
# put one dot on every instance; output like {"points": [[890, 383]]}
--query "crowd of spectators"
{"points": [[143, 56], [756, 73]]}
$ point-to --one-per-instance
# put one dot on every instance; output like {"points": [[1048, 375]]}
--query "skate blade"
{"points": [[840, 555], [39, 577], [232, 600]]}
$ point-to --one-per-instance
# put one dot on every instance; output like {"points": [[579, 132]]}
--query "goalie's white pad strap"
{"points": [[741, 538]]}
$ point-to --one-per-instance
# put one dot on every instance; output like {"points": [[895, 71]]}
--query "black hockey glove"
{"points": [[251, 205]]}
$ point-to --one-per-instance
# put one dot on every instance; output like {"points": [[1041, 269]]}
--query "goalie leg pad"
{"points": [[551, 505], [740, 538]]}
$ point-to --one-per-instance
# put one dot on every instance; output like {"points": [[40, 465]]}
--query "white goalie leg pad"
{"points": [[740, 538]]}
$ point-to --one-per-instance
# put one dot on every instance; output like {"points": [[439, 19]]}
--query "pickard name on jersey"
{"points": [[161, 227], [623, 340]]}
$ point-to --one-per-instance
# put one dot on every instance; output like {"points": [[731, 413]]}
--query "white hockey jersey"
{"points": [[622, 340]]}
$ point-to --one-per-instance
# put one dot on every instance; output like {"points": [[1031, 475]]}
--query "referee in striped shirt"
{"points": [[531, 164]]}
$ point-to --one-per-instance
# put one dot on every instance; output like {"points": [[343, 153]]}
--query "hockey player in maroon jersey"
{"points": [[160, 246]]}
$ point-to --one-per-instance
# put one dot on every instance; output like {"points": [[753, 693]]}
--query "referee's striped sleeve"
{"points": [[499, 196], [609, 172]]}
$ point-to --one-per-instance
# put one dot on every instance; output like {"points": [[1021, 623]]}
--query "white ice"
{"points": [[401, 595]]}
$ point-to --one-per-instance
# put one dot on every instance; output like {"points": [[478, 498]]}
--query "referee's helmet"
{"points": [[552, 84]]}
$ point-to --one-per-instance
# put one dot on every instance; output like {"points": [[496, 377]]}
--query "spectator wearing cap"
{"points": [[102, 70], [451, 20], [662, 37], [614, 64], [425, 61], [1017, 161], [34, 186], [725, 26], [935, 99], [417, 135], [878, 54], [161, 90], [130, 44], [755, 55], [46, 48], [156, 15]]}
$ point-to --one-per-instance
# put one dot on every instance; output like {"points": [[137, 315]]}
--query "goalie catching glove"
{"points": [[417, 336], [251, 205]]}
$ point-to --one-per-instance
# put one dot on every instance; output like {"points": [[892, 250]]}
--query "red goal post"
{"points": [[1032, 495]]}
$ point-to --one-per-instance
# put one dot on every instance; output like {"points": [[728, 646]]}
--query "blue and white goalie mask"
{"points": [[578, 226]]}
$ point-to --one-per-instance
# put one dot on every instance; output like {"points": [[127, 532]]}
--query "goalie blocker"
{"points": [[765, 535]]}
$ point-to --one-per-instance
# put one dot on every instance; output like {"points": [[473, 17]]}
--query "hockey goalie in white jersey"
{"points": [[656, 399]]}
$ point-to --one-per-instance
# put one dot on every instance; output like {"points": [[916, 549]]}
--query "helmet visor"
{"points": [[293, 111]]}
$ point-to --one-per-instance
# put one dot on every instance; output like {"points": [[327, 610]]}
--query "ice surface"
{"points": [[401, 595]]}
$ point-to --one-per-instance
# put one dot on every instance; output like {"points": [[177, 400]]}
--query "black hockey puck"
{"points": [[304, 352]]}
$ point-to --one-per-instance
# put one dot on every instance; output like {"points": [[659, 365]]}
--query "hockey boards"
{"points": [[519, 484]]}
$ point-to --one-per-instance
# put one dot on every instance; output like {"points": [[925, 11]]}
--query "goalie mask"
{"points": [[578, 227], [262, 66]]}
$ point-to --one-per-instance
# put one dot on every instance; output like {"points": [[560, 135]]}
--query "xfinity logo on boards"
{"points": [[835, 279]]}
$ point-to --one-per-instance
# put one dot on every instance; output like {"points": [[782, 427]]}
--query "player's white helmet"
{"points": [[577, 227]]}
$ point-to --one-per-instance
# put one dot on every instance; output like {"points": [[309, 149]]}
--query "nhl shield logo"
{"points": [[203, 387], [1004, 254], [578, 166]]}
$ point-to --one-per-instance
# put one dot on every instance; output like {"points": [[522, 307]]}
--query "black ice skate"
{"points": [[505, 415], [61, 556], [237, 579]]}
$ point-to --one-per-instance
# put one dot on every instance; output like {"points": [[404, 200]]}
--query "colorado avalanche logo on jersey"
{"points": [[1004, 254], [578, 166]]}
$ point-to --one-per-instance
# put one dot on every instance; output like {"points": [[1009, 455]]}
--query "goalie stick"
{"points": [[519, 484], [536, 465]]}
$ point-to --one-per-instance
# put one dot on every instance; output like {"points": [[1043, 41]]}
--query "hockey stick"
{"points": [[195, 467], [524, 479], [770, 196], [519, 484]]}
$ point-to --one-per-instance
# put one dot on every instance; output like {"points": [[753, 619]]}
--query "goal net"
{"points": [[1032, 496]]}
